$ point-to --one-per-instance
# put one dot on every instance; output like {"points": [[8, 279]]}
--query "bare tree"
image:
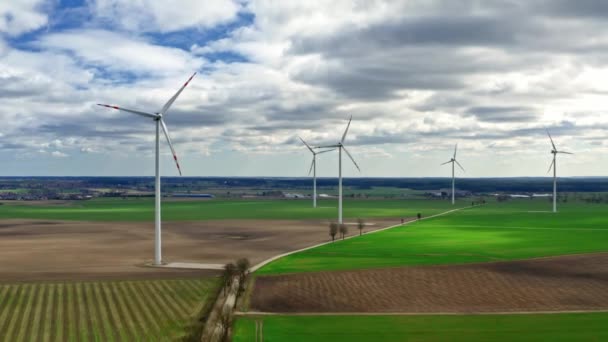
{"points": [[360, 225], [343, 230], [228, 275], [242, 268], [333, 230]]}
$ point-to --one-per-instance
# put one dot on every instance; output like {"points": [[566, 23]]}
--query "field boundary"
{"points": [[276, 257], [439, 313], [526, 228]]}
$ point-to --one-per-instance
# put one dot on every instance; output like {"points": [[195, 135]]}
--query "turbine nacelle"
{"points": [[453, 159]]}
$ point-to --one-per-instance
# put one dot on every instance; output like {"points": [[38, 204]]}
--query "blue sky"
{"points": [[417, 77]]}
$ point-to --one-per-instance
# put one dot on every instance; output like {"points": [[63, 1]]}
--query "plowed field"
{"points": [[577, 282]]}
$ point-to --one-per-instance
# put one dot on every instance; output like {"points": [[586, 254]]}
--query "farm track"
{"points": [[102, 311], [565, 283]]}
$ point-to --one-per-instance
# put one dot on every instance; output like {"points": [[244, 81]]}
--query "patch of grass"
{"points": [[117, 209], [104, 310], [497, 231], [470, 328]]}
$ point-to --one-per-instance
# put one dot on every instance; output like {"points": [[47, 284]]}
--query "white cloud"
{"points": [[166, 15], [87, 149], [58, 154], [120, 52], [21, 16]]}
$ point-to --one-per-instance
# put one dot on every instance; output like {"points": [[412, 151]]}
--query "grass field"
{"points": [[498, 231], [536, 327], [116, 209], [142, 310]]}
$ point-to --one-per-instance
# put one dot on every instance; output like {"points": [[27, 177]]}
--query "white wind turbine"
{"points": [[313, 168], [340, 146], [158, 118], [553, 165], [454, 161]]}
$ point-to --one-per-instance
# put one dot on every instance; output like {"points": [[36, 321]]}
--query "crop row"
{"points": [[100, 311]]}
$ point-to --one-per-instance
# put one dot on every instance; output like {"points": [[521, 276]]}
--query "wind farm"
{"points": [[311, 200]]}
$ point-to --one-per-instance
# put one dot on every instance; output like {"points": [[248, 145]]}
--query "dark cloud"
{"points": [[443, 102], [573, 9], [12, 146], [203, 116], [503, 114], [444, 30]]}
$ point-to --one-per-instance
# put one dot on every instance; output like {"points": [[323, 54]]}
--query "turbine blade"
{"points": [[552, 143], [449, 161], [333, 149], [166, 131], [310, 148], [149, 115], [351, 158], [457, 163], [455, 148], [346, 130], [311, 166], [327, 146], [171, 100], [551, 165], [564, 152]]}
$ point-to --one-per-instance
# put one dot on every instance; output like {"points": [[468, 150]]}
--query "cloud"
{"points": [[120, 53], [18, 17], [166, 15], [416, 76], [58, 154], [503, 114], [87, 150]]}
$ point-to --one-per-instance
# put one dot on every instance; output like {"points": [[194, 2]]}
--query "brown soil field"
{"points": [[576, 282], [70, 250]]}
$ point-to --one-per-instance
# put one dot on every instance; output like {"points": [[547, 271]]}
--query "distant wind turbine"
{"points": [[313, 169], [158, 118], [553, 165], [454, 161], [340, 146]]}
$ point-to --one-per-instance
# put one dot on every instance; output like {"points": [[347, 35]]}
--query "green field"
{"points": [[498, 231], [143, 310], [532, 327], [116, 209]]}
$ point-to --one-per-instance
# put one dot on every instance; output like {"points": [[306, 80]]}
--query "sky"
{"points": [[416, 76]]}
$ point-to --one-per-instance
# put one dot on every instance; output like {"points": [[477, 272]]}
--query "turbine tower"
{"points": [[553, 165], [158, 118], [313, 169], [454, 161], [340, 146]]}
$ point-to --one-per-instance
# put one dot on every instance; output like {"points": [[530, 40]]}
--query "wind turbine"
{"points": [[158, 118], [454, 161], [553, 165], [340, 146], [313, 168]]}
